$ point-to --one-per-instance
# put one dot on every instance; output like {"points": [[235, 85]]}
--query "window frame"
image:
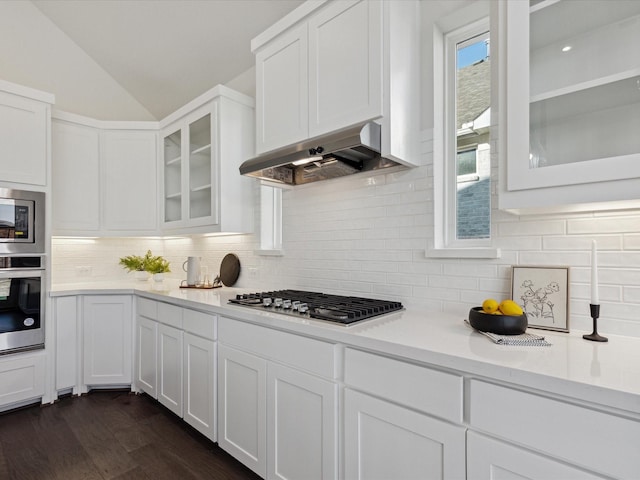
{"points": [[445, 44]]}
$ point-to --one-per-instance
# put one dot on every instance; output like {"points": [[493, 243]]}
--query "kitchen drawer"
{"points": [[304, 353], [431, 391], [22, 377], [201, 324], [170, 315], [147, 308], [558, 428]]}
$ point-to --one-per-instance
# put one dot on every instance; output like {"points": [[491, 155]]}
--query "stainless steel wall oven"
{"points": [[22, 297], [22, 270]]}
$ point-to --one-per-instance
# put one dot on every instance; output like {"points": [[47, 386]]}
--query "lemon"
{"points": [[490, 305], [509, 307]]}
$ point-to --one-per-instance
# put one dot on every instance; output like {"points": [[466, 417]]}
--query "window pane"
{"points": [[466, 162], [473, 102]]}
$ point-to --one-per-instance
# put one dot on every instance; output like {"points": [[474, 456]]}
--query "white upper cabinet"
{"points": [[75, 177], [129, 160], [104, 177], [330, 65], [203, 145], [24, 134], [570, 105]]}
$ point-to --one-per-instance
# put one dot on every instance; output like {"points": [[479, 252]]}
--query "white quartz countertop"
{"points": [[604, 373]]}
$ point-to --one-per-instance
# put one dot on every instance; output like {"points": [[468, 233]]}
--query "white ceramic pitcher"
{"points": [[192, 267]]}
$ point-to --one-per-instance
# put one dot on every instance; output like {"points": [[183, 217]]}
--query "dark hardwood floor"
{"points": [[108, 435]]}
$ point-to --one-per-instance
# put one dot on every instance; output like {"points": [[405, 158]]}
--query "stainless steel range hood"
{"points": [[335, 155]]}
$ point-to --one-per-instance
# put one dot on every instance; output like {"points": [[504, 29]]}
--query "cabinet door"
{"points": [[199, 384], [146, 368], [490, 459], [66, 325], [282, 92], [345, 65], [242, 407], [170, 368], [200, 206], [129, 171], [172, 171], [22, 378], [75, 178], [23, 139], [384, 441], [570, 103], [301, 425], [107, 340]]}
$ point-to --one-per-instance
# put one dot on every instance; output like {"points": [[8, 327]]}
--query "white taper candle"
{"points": [[594, 274]]}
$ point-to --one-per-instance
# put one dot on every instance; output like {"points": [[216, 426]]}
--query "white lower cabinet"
{"points": [[491, 459], [147, 359], [383, 440], [22, 378], [199, 384], [301, 425], [66, 335], [242, 407], [170, 368], [582, 441], [107, 340], [176, 361], [278, 420]]}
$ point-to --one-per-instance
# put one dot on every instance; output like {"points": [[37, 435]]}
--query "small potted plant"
{"points": [[136, 264], [157, 266]]}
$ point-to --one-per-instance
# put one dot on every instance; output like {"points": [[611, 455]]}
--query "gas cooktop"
{"points": [[320, 306]]}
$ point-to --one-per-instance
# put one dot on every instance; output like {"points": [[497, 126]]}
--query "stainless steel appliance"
{"points": [[319, 306], [22, 298], [21, 221], [335, 155]]}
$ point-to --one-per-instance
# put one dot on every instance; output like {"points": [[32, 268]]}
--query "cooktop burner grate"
{"points": [[333, 308]]}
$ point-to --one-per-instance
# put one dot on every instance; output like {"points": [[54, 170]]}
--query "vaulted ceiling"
{"points": [[130, 59]]}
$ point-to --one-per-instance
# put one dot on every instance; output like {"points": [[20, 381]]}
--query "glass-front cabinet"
{"points": [[569, 111], [188, 176], [203, 146]]}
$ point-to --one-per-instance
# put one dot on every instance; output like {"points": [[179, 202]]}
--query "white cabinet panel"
{"points": [[23, 139], [282, 91], [568, 105], [170, 368], [490, 459], [147, 359], [66, 325], [129, 162], [345, 65], [556, 427], [242, 407], [199, 384], [107, 340], [21, 378], [384, 441], [301, 425], [75, 177]]}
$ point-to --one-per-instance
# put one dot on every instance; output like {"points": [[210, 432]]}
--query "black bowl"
{"points": [[499, 324]]}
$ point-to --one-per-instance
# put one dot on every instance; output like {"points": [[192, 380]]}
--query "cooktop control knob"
{"points": [[266, 302], [303, 308], [286, 304], [295, 305], [277, 303]]}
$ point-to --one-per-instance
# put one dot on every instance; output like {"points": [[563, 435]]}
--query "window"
{"points": [[270, 220], [462, 166]]}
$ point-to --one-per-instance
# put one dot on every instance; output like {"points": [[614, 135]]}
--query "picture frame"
{"points": [[543, 294]]}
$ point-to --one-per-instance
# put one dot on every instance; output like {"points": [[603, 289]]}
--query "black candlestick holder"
{"points": [[594, 337]]}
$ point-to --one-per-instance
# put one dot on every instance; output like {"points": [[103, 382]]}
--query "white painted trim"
{"points": [[27, 92], [102, 124], [269, 253], [463, 253], [285, 23]]}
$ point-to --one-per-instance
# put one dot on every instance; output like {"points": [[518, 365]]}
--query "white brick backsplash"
{"points": [[600, 224], [367, 235]]}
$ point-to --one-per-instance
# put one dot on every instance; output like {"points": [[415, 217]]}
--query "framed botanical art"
{"points": [[543, 294]]}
